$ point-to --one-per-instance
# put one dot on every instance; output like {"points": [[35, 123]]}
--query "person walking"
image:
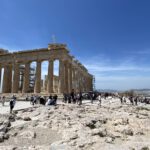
{"points": [[12, 104]]}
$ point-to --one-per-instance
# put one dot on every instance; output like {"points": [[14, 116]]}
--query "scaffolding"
{"points": [[94, 86], [31, 79]]}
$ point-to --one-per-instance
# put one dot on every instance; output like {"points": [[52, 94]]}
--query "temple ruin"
{"points": [[72, 74]]}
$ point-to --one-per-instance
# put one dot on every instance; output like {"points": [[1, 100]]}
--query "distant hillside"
{"points": [[142, 90], [107, 90], [145, 92]]}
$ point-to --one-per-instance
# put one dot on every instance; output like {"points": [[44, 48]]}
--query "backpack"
{"points": [[11, 102]]}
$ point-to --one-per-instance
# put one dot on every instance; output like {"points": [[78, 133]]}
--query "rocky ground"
{"points": [[73, 127]]}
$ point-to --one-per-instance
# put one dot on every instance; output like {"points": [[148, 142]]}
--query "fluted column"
{"points": [[0, 76], [81, 83], [26, 78], [61, 77], [37, 87], [10, 79], [73, 78], [66, 78], [84, 84], [50, 76], [76, 80], [79, 80], [86, 80], [5, 82], [15, 86], [70, 78], [91, 83]]}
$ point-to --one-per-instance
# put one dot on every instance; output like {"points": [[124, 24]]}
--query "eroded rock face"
{"points": [[74, 127], [5, 125], [28, 134]]}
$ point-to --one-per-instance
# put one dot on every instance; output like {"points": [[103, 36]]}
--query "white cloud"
{"points": [[110, 75], [99, 68]]}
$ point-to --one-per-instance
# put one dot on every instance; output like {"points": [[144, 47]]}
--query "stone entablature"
{"points": [[72, 74]]}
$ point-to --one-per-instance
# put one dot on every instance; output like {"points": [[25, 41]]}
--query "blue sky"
{"points": [[110, 37]]}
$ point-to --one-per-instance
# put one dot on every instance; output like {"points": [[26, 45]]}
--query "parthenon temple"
{"points": [[72, 74]]}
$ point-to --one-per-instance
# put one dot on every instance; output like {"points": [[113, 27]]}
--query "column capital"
{"points": [[51, 59], [27, 62], [38, 61]]}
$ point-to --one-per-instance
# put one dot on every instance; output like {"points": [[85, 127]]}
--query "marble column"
{"points": [[61, 77], [15, 86], [50, 76], [37, 87], [73, 78], [79, 81], [91, 83], [0, 76], [7, 79], [66, 78], [76, 80], [5, 76], [70, 78], [26, 78]]}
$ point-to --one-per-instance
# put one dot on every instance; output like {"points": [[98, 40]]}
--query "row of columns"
{"points": [[70, 77], [0, 76]]}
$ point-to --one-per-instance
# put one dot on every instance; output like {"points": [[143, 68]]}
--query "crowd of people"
{"points": [[134, 100], [43, 100], [77, 98]]}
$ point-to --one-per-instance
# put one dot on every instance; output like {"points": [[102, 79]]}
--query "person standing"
{"points": [[80, 98], [55, 99], [72, 96], [99, 99], [92, 99], [12, 104], [3, 100]]}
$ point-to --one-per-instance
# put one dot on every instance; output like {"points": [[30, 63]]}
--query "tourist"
{"points": [[69, 98], [12, 103], [65, 98], [32, 100], [136, 100], [131, 100], [42, 100], [3, 100], [55, 99], [52, 100], [92, 98], [27, 98], [99, 99], [75, 98], [121, 99], [72, 96], [80, 98], [49, 100], [124, 99]]}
